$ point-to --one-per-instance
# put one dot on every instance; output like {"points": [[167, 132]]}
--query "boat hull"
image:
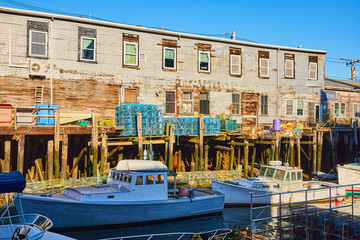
{"points": [[239, 195], [70, 214]]}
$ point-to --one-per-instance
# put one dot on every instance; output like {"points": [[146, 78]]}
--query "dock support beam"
{"points": [[319, 150], [64, 155], [139, 130], [7, 155], [298, 151], [20, 156], [95, 142], [246, 158], [104, 153], [314, 151], [253, 161], [291, 153], [57, 144], [206, 157], [201, 143], [50, 160], [171, 147]]}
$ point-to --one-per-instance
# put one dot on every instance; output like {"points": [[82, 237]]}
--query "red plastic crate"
{"points": [[6, 115]]}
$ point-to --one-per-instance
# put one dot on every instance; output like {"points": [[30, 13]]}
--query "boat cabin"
{"points": [[281, 173]]}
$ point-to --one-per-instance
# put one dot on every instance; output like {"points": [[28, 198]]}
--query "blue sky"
{"points": [[318, 24]]}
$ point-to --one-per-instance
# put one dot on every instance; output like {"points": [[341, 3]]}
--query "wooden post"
{"points": [[292, 155], [95, 139], [39, 169], [121, 153], [139, 132], [20, 156], [57, 143], [319, 150], [232, 155], [192, 164], [253, 161], [167, 131], [218, 160], [238, 157], [206, 157], [246, 158], [298, 151], [314, 151], [50, 160], [75, 168], [64, 155], [179, 160], [7, 155], [196, 158], [104, 153], [171, 147], [277, 146], [201, 143]]}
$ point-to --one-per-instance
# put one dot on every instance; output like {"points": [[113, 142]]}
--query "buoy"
{"points": [[184, 191], [145, 155]]}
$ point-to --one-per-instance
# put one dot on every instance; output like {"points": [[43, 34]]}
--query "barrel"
{"points": [[276, 124]]}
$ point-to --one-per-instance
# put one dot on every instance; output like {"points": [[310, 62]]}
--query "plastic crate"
{"points": [[46, 121]]}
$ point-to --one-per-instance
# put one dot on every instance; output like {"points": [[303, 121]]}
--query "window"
{"points": [[159, 179], [169, 58], [293, 176], [340, 110], [139, 180], [313, 67], [235, 61], [129, 178], [187, 103], [289, 107], [289, 66], [356, 110], [130, 54], [38, 41], [264, 64], [279, 175], [204, 61], [87, 49], [130, 96], [235, 104], [170, 102], [300, 108], [270, 172], [149, 179], [264, 105], [204, 103], [299, 176]]}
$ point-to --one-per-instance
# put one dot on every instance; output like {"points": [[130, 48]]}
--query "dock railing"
{"points": [[285, 212], [210, 235]]}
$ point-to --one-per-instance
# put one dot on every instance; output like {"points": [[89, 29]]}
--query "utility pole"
{"points": [[352, 63]]}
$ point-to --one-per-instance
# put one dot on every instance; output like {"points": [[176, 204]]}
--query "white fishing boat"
{"points": [[23, 226], [136, 192], [275, 178], [349, 173]]}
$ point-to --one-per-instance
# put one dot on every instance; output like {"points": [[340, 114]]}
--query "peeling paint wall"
{"points": [[84, 87]]}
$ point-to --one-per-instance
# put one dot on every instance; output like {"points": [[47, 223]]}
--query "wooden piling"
{"points": [[167, 132], [104, 153], [179, 160], [253, 161], [206, 157], [196, 158], [140, 137], [39, 169], [319, 150], [75, 168], [277, 146], [238, 157], [64, 155], [7, 156], [314, 150], [246, 158], [298, 151], [171, 147], [291, 153], [95, 142], [57, 143], [232, 154], [20, 156], [218, 160], [50, 160]]}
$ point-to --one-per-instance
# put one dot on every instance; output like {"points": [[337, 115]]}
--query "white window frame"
{"points": [[343, 115], [336, 115], [316, 72], [207, 52], [356, 109], [240, 65], [292, 109], [188, 101], [164, 54], [267, 105], [81, 49], [292, 68], [30, 44], [137, 54], [268, 67], [303, 110], [232, 104]]}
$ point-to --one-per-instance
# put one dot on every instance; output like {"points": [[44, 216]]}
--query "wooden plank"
{"points": [[139, 130], [49, 130], [31, 176], [38, 169], [171, 147], [112, 152], [64, 155], [246, 159], [94, 145], [57, 144], [223, 148], [50, 160], [77, 160], [206, 157], [74, 175], [20, 156], [242, 144], [104, 153], [7, 156]]}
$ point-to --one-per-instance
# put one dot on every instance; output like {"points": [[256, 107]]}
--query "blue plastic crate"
{"points": [[45, 120]]}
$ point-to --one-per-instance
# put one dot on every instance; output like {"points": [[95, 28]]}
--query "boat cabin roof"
{"points": [[141, 166], [281, 173]]}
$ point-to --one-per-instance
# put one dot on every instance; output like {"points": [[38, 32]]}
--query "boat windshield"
{"points": [[299, 175], [279, 175], [293, 176], [262, 172], [270, 172]]}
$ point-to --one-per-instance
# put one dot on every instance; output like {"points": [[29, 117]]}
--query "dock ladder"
{"points": [[39, 92]]}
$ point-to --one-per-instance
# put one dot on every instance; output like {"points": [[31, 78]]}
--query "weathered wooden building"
{"points": [[86, 65]]}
